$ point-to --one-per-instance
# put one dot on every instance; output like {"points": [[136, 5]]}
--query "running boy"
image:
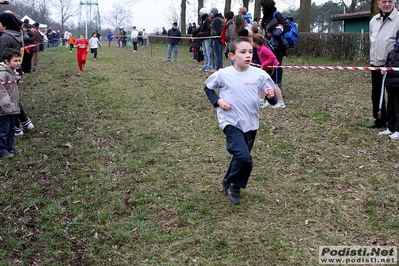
{"points": [[9, 99], [83, 48], [238, 111], [94, 43]]}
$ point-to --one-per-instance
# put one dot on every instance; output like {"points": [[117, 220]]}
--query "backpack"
{"points": [[292, 36]]}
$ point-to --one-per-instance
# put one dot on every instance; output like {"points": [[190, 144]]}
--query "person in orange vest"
{"points": [[71, 41]]}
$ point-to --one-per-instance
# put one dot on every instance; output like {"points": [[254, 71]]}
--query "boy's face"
{"points": [[14, 63], [81, 37], [2, 27], [243, 55]]}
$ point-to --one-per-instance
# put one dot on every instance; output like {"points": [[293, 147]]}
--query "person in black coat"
{"points": [[269, 13], [392, 86], [205, 31], [173, 42], [11, 35], [29, 48]]}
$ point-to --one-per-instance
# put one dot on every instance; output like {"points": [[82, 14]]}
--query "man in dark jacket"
{"points": [[205, 31], [29, 48], [11, 36], [217, 22], [269, 13], [173, 42], [392, 85]]}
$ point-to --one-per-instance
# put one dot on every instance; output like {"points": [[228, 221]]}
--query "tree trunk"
{"points": [[304, 16], [227, 6], [374, 8], [183, 17], [200, 5], [258, 10], [245, 3]]}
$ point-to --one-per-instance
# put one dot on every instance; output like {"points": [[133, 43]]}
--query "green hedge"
{"points": [[347, 46]]}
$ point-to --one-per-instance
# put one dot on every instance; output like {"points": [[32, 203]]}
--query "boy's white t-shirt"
{"points": [[93, 42], [241, 90]]}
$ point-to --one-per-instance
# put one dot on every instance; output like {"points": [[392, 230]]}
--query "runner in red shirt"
{"points": [[83, 48]]}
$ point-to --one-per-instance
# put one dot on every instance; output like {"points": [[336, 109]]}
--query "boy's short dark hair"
{"points": [[229, 15], [235, 41], [10, 53]]}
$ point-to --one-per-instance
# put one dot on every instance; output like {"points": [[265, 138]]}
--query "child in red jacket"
{"points": [[83, 48]]}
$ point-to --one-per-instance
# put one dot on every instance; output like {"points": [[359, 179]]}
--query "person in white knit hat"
{"points": [[205, 31]]}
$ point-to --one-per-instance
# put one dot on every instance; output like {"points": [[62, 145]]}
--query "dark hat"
{"points": [[174, 23], [10, 21], [36, 24], [397, 35], [215, 11]]}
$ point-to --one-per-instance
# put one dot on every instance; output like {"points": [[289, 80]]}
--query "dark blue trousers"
{"points": [[7, 124], [239, 144]]}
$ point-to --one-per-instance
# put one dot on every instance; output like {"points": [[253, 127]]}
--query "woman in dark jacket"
{"points": [[10, 28], [29, 48], [269, 14]]}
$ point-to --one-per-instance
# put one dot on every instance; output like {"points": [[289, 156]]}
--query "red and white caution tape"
{"points": [[334, 67], [183, 37], [8, 82]]}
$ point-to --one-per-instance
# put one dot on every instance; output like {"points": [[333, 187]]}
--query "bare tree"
{"points": [[257, 9], [374, 9], [355, 5], [183, 17], [118, 16], [66, 9], [245, 3], [173, 15], [200, 5], [304, 16], [227, 5], [36, 9]]}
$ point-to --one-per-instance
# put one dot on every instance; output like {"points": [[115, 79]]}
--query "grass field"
{"points": [[125, 163]]}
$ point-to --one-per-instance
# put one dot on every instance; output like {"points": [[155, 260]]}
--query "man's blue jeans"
{"points": [[239, 144], [217, 51], [206, 48], [175, 48]]}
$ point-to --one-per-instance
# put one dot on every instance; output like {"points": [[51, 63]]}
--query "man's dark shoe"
{"points": [[375, 125], [233, 193]]}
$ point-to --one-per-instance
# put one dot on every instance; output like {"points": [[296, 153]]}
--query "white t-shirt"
{"points": [[241, 90], [93, 42], [67, 34]]}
